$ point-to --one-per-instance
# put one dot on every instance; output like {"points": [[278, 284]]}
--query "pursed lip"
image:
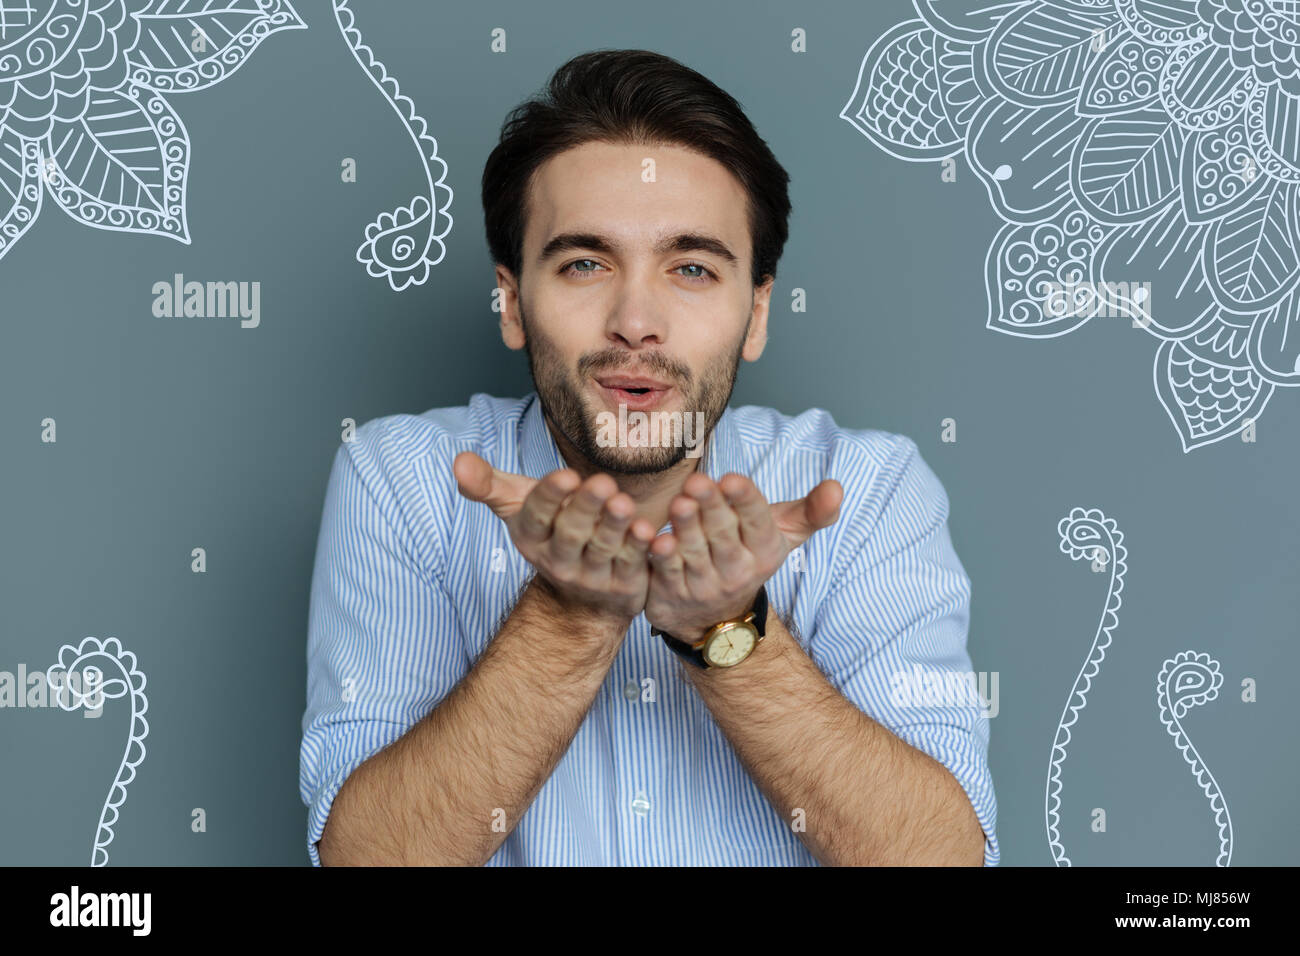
{"points": [[632, 381]]}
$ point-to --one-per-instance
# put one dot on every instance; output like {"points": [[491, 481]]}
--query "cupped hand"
{"points": [[583, 537], [726, 542]]}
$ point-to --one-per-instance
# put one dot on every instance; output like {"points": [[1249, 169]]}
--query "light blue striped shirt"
{"points": [[412, 580]]}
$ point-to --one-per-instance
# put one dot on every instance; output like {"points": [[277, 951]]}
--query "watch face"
{"points": [[731, 645]]}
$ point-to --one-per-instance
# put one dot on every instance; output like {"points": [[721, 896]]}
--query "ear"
{"points": [[512, 330], [756, 339]]}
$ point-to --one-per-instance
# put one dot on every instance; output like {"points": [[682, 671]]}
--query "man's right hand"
{"points": [[583, 537]]}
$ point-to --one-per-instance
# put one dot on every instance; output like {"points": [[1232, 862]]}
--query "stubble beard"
{"points": [[566, 400]]}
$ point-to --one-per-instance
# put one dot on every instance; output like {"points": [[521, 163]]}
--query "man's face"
{"points": [[602, 302]]}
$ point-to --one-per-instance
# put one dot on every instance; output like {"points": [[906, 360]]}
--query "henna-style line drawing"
{"points": [[1085, 535], [130, 683], [85, 111], [1121, 142], [398, 243], [1187, 680]]}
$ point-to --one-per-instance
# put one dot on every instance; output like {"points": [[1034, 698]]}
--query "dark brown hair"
{"points": [[632, 97]]}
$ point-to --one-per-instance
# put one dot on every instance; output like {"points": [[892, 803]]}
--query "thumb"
{"points": [[502, 491], [798, 519]]}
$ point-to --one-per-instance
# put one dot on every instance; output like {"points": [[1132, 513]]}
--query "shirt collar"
{"points": [[539, 455]]}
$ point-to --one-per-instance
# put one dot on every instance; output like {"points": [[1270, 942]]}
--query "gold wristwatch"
{"points": [[726, 643]]}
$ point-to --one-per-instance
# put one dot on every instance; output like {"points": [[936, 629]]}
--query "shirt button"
{"points": [[641, 805], [631, 690]]}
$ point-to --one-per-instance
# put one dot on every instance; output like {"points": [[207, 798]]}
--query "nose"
{"points": [[636, 321]]}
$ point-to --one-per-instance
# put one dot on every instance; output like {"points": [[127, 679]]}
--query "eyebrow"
{"points": [[681, 242]]}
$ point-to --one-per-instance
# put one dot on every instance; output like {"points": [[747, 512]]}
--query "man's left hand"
{"points": [[726, 542]]}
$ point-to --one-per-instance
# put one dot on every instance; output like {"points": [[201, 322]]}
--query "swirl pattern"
{"points": [[84, 108], [1086, 535], [400, 245], [1185, 681], [1168, 129], [127, 681]]}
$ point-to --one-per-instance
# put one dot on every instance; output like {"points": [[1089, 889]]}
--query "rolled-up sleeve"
{"points": [[891, 632], [383, 643]]}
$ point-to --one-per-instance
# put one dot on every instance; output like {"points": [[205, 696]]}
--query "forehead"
{"points": [[602, 187]]}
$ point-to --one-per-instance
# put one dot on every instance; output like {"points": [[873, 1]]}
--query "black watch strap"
{"points": [[695, 655]]}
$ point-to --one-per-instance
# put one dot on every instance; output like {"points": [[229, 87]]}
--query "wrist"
{"points": [[563, 638], [693, 633], [587, 617], [725, 643]]}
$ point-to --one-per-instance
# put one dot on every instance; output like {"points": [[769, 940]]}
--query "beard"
{"points": [[568, 403]]}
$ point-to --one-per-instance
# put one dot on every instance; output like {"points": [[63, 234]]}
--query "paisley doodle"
{"points": [[1169, 129], [1090, 536], [398, 243], [1187, 680], [91, 653], [85, 111], [1030, 261]]}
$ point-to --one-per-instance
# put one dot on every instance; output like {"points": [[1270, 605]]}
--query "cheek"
{"points": [[715, 355], [568, 319]]}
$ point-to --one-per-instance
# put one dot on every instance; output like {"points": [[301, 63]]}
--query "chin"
{"points": [[634, 461]]}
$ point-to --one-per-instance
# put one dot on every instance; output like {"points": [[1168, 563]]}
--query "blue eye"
{"points": [[706, 275]]}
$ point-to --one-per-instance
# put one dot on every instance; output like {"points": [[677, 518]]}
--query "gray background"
{"points": [[174, 434]]}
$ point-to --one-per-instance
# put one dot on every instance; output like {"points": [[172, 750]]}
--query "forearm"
{"points": [[452, 788], [868, 798]]}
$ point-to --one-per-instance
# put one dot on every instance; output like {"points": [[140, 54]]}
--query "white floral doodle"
{"points": [[90, 654], [85, 115], [1121, 140], [1088, 536], [398, 243], [1187, 680]]}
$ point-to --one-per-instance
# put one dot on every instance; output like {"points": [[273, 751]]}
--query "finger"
{"points": [[798, 519], [536, 518], [577, 519], [631, 558], [757, 527], [720, 525], [692, 545], [824, 503], [668, 564], [502, 491], [611, 528]]}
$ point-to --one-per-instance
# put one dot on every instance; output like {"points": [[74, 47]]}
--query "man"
{"points": [[542, 632]]}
